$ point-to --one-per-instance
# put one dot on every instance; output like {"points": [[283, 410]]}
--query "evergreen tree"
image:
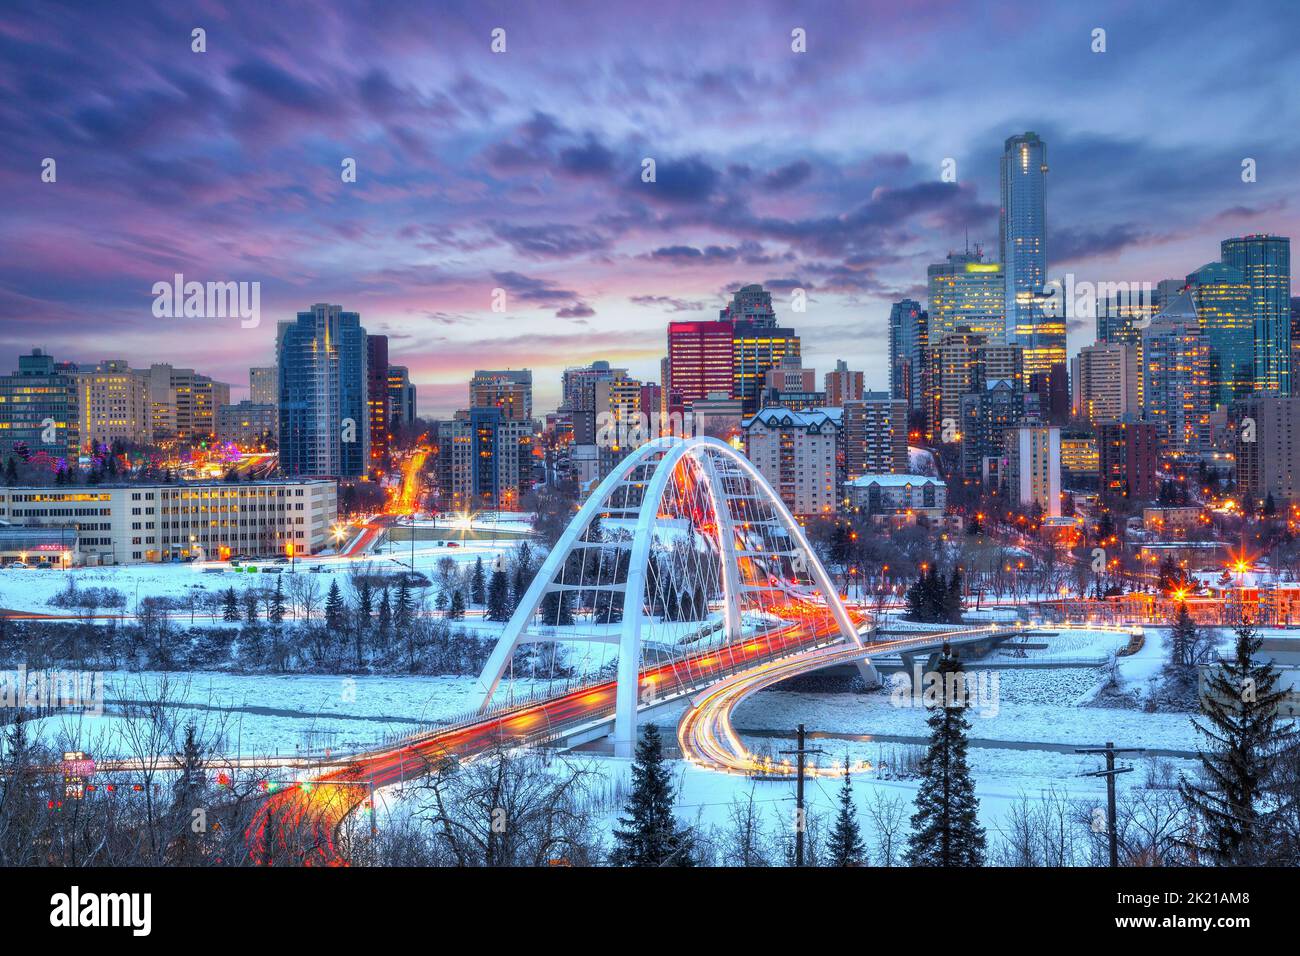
{"points": [[334, 607], [845, 847], [276, 613], [927, 598], [365, 601], [647, 833], [1244, 735], [478, 583], [385, 622], [457, 610], [523, 572], [404, 608], [498, 596], [557, 609], [231, 612], [11, 471], [250, 604], [1182, 639], [952, 599], [945, 826]]}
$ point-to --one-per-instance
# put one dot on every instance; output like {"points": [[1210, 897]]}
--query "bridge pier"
{"points": [[870, 676]]}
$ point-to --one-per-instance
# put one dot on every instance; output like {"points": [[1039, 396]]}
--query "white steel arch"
{"points": [[636, 489]]}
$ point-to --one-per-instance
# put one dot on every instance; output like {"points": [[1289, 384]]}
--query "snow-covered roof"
{"points": [[894, 480], [778, 417]]}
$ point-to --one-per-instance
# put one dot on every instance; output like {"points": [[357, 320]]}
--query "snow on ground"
{"points": [[511, 521], [1021, 740], [283, 714], [1065, 645], [1030, 706], [32, 590]]}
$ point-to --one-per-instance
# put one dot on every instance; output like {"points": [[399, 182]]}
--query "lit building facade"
{"points": [[324, 388], [214, 520], [1033, 472], [965, 293], [909, 350], [38, 409], [796, 452], [1265, 262]]}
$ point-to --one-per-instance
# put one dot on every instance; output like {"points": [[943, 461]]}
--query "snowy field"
{"points": [[279, 715], [32, 590]]}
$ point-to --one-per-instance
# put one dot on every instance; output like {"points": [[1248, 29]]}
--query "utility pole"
{"points": [[1110, 773], [799, 818]]}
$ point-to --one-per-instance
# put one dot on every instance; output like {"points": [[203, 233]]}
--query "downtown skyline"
{"points": [[521, 171]]}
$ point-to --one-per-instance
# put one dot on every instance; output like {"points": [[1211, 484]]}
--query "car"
{"points": [[214, 570], [17, 565], [281, 560], [273, 570], [452, 544], [44, 565], [318, 568]]}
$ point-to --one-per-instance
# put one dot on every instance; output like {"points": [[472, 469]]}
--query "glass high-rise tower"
{"points": [[1022, 242], [1220, 295], [908, 348], [324, 411], [1265, 262]]}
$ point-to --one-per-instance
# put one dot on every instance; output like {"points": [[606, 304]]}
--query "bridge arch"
{"points": [[745, 554]]}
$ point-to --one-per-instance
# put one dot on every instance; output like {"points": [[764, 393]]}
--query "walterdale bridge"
{"points": [[682, 582]]}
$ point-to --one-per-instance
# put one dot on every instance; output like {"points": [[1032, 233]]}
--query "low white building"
{"points": [[130, 524], [892, 494]]}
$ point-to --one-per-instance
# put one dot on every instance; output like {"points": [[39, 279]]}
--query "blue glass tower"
{"points": [[1265, 261], [324, 417]]}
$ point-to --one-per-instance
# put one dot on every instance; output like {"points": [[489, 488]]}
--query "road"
{"points": [[705, 732], [301, 823]]}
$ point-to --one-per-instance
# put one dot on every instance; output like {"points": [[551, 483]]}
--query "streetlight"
{"points": [[292, 556]]}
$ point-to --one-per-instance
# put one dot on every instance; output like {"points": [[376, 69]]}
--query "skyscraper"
{"points": [[966, 292], [908, 350], [578, 402], [699, 359], [751, 304], [1265, 262], [38, 408], [1222, 299], [401, 396], [1022, 227], [113, 404], [1176, 395], [843, 384], [1105, 383], [509, 390], [954, 370], [756, 349], [183, 404], [324, 415], [377, 399]]}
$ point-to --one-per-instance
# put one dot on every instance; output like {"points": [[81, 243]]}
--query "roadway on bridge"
{"points": [[708, 738], [302, 821]]}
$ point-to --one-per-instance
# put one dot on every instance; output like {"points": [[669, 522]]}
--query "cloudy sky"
{"points": [[522, 170]]}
